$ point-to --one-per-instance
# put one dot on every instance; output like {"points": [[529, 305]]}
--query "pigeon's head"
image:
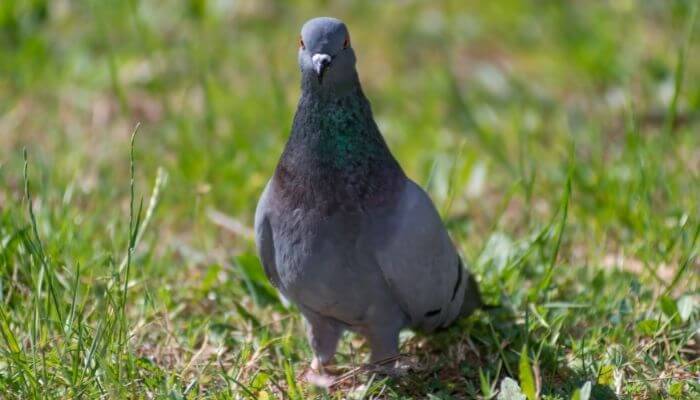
{"points": [[326, 57]]}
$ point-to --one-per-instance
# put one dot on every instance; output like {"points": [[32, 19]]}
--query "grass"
{"points": [[559, 140]]}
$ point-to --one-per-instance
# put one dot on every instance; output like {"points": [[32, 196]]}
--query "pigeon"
{"points": [[341, 231]]}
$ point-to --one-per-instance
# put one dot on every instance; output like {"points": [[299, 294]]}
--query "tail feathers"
{"points": [[472, 297]]}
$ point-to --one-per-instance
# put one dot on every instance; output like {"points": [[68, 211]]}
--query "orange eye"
{"points": [[301, 43], [346, 43]]}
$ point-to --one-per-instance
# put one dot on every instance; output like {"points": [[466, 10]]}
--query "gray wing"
{"points": [[264, 238], [419, 261]]}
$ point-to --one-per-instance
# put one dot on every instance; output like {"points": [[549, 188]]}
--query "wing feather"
{"points": [[264, 239], [419, 262]]}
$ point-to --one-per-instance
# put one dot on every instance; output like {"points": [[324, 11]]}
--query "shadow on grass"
{"points": [[481, 351]]}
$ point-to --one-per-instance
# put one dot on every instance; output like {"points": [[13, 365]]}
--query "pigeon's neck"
{"points": [[335, 156], [337, 131]]}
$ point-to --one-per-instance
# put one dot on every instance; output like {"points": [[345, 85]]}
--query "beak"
{"points": [[320, 63]]}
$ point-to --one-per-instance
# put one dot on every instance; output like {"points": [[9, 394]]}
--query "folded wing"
{"points": [[419, 261], [264, 239]]}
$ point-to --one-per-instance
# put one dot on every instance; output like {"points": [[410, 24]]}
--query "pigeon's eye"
{"points": [[301, 43], [346, 43]]}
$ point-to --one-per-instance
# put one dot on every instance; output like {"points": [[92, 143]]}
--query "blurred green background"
{"points": [[495, 107]]}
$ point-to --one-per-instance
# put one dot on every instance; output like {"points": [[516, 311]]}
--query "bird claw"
{"points": [[319, 379], [321, 367], [316, 365]]}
